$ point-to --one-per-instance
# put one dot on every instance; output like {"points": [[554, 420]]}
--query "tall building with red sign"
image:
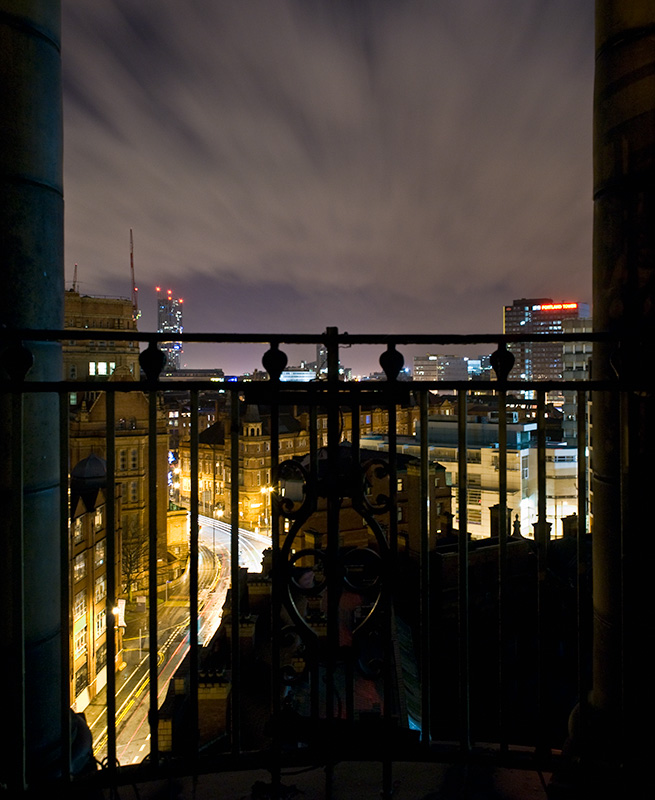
{"points": [[539, 360]]}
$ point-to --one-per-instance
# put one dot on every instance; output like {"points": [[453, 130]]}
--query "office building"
{"points": [[169, 320], [434, 367], [576, 363], [539, 360], [91, 359]]}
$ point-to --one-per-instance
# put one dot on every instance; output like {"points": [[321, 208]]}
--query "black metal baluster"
{"points": [[274, 361], [333, 504], [391, 362], [542, 536], [584, 622], [153, 713], [312, 490], [388, 588], [357, 502], [502, 571], [194, 666], [502, 362], [235, 698], [110, 543], [463, 578], [152, 361], [425, 619]]}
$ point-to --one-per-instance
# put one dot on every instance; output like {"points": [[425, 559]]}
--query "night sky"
{"points": [[379, 165]]}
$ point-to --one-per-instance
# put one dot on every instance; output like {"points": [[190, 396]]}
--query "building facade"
{"points": [[88, 359], [483, 470], [88, 429], [539, 360], [576, 363], [434, 367], [89, 567]]}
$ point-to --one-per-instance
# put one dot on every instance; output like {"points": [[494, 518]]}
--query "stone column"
{"points": [[623, 429], [31, 265]]}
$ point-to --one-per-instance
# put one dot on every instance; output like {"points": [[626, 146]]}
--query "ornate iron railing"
{"points": [[487, 641]]}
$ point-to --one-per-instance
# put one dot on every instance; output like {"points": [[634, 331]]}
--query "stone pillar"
{"points": [[31, 264], [623, 429]]}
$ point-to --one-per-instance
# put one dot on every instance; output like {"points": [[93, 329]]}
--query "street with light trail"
{"points": [[132, 692]]}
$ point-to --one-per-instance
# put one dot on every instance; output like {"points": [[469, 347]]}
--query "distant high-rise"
{"points": [[169, 320], [539, 360], [321, 360], [434, 367]]}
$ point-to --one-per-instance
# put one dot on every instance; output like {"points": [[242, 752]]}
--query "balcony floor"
{"points": [[361, 780]]}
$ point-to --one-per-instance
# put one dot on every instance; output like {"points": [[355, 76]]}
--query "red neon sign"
{"points": [[558, 306]]}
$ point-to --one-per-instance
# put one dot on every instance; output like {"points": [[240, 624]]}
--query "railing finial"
{"points": [[152, 361], [502, 362], [392, 362], [274, 361]]}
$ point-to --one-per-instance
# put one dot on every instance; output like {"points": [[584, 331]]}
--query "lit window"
{"points": [[100, 552], [80, 641], [101, 622], [102, 367], [77, 531], [79, 606], [79, 567], [101, 587], [98, 519], [112, 367], [92, 368]]}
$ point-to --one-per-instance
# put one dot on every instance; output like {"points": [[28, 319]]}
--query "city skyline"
{"points": [[300, 165]]}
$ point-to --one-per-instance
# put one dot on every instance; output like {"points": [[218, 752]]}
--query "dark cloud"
{"points": [[295, 164]]}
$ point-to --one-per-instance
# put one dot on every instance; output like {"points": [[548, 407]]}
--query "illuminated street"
{"points": [[132, 694]]}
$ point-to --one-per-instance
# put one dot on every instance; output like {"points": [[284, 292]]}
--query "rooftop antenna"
{"points": [[135, 306], [75, 279]]}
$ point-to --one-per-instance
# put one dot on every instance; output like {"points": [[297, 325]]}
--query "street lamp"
{"points": [[219, 515], [266, 491]]}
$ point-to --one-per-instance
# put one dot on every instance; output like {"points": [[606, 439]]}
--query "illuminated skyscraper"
{"points": [[169, 320], [539, 360]]}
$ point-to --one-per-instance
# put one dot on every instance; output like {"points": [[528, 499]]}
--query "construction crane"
{"points": [[135, 305]]}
